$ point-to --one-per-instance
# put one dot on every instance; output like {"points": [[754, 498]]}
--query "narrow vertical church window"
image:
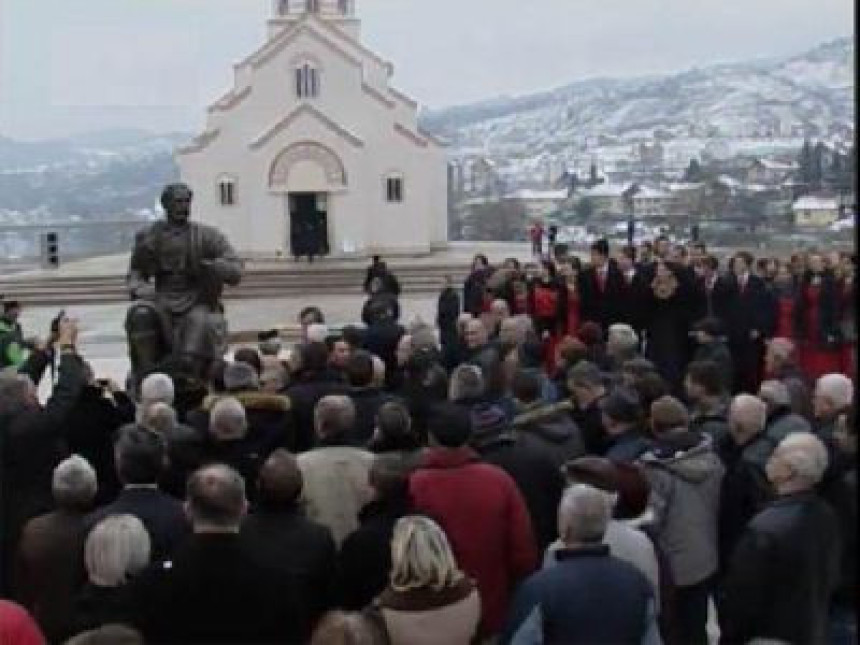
{"points": [[307, 82], [313, 6], [227, 192], [394, 189], [283, 7], [343, 6]]}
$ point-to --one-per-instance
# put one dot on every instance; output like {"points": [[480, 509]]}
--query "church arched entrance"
{"points": [[307, 173]]}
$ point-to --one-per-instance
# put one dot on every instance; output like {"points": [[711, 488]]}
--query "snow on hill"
{"points": [[811, 94]]}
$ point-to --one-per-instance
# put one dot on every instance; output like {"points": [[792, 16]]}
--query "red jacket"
{"points": [[16, 626], [485, 518]]}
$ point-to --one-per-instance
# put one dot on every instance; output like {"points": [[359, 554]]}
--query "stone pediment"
{"points": [[306, 109]]}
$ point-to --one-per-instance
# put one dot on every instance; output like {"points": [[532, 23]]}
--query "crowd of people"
{"points": [[610, 452]]}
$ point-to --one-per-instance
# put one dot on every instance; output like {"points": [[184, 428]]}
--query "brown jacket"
{"points": [[428, 617]]}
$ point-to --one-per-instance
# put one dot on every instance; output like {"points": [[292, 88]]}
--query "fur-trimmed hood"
{"points": [[252, 400]]}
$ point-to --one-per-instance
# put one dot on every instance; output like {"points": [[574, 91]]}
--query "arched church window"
{"points": [[283, 7], [312, 6], [344, 6], [227, 191], [394, 188], [307, 81]]}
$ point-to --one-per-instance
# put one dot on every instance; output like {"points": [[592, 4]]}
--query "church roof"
{"points": [[313, 111]]}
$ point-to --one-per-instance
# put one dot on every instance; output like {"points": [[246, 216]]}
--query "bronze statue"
{"points": [[176, 276]]}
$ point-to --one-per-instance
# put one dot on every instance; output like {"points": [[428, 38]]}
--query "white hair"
{"points": [[774, 393], [583, 514], [748, 413], [158, 417], [805, 455], [157, 388], [74, 482], [622, 339], [317, 333], [116, 549], [227, 420], [838, 388]]}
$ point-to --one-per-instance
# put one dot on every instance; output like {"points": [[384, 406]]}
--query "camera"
{"points": [[55, 323]]}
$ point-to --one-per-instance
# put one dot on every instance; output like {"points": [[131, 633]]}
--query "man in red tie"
{"points": [[602, 288], [746, 323]]}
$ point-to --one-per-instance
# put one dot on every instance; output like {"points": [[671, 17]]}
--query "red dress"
{"points": [[785, 317], [573, 307], [815, 359], [846, 313]]}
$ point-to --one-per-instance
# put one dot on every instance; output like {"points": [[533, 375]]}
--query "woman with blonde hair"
{"points": [[429, 600], [116, 550]]}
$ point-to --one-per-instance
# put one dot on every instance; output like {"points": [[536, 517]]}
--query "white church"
{"points": [[313, 150]]}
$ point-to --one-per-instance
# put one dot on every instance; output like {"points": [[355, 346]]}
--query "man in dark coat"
{"points": [[588, 596], [745, 489], [32, 440], [708, 399], [364, 563], [746, 324], [48, 571], [602, 288], [786, 565], [140, 459], [279, 537], [447, 314], [536, 474], [622, 419], [586, 385], [366, 398], [378, 278], [545, 427], [383, 334], [101, 410], [714, 292], [212, 591], [314, 381]]}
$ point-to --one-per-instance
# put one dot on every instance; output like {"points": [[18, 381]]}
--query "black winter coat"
{"points": [[284, 541], [90, 432], [782, 574], [32, 443], [364, 563], [213, 593]]}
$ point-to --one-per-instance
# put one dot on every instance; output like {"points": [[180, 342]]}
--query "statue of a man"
{"points": [[176, 276]]}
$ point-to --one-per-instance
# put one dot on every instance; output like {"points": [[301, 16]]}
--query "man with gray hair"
{"points": [[588, 389], [589, 596], [622, 344], [786, 565], [48, 562], [213, 590], [335, 473], [157, 388], [833, 396], [781, 420], [745, 489]]}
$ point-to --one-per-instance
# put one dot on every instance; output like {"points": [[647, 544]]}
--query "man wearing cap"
{"points": [[622, 416], [685, 475]]}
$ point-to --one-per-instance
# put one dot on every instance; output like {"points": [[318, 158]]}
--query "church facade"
{"points": [[314, 151]]}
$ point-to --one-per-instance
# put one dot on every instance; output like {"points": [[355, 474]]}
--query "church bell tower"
{"points": [[338, 13]]}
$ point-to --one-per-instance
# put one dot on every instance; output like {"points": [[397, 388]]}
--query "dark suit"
{"points": [[714, 302], [213, 592], [603, 306], [161, 514], [747, 312]]}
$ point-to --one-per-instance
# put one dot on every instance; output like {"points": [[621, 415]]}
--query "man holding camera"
{"points": [[32, 436]]}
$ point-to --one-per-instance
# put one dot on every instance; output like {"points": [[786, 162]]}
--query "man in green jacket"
{"points": [[13, 350]]}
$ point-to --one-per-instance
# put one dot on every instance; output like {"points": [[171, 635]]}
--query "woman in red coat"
{"points": [[570, 276], [816, 321], [785, 294], [848, 313], [547, 306]]}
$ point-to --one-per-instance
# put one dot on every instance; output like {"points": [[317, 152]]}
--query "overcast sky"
{"points": [[76, 65]]}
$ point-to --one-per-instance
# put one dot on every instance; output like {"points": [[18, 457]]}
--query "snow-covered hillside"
{"points": [[811, 94]]}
